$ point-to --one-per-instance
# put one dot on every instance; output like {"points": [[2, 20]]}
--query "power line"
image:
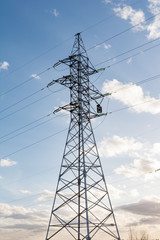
{"points": [[20, 199], [14, 104], [42, 54], [50, 169], [16, 130], [28, 105], [98, 77], [134, 55], [93, 25], [124, 87], [122, 32], [63, 131], [49, 68], [24, 82], [124, 108], [30, 145], [142, 45], [142, 81], [121, 180], [131, 56], [130, 50], [61, 43], [25, 106], [21, 179], [138, 83], [105, 19], [27, 130], [90, 49]]}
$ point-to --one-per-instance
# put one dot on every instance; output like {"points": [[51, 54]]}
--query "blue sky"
{"points": [[34, 36]]}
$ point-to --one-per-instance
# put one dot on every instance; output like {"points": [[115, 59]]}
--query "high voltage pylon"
{"points": [[81, 208]]}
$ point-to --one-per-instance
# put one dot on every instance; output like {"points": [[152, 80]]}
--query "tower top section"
{"points": [[78, 46]]}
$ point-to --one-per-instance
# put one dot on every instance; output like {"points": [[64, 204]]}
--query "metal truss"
{"points": [[82, 208]]}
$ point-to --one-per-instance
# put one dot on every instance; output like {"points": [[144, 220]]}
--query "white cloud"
{"points": [[154, 27], [7, 163], [137, 17], [35, 76], [17, 212], [146, 207], [134, 193], [134, 16], [54, 12], [28, 221], [4, 65], [97, 46], [154, 6], [107, 1], [129, 60], [46, 195], [25, 191], [144, 164], [107, 46], [139, 218], [137, 168], [65, 112], [111, 147], [132, 95], [144, 156], [1, 177], [156, 149], [115, 192]]}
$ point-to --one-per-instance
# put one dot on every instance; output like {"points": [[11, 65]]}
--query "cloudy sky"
{"points": [[121, 36]]}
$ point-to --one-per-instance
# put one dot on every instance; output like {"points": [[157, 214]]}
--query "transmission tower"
{"points": [[82, 208]]}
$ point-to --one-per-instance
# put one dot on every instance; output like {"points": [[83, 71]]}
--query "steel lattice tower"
{"points": [[82, 208]]}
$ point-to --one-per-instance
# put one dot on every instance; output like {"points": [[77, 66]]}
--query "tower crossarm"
{"points": [[69, 81], [66, 61], [74, 59], [65, 81], [95, 93], [69, 107]]}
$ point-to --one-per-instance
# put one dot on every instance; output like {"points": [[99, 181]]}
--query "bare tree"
{"points": [[133, 235], [144, 236]]}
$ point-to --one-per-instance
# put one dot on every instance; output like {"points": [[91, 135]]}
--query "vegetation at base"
{"points": [[143, 235]]}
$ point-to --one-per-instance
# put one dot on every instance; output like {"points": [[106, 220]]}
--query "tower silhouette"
{"points": [[81, 208]]}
